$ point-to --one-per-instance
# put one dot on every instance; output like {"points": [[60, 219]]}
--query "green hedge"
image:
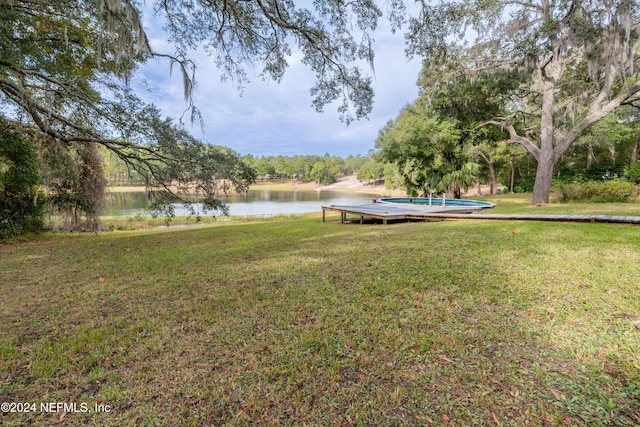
{"points": [[615, 190]]}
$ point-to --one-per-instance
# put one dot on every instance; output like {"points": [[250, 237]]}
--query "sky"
{"points": [[269, 118]]}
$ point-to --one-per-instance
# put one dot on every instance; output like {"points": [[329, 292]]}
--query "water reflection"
{"points": [[255, 202]]}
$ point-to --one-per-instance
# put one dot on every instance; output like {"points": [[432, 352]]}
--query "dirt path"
{"points": [[346, 183]]}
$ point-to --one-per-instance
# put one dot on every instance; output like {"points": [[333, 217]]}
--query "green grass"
{"points": [[506, 204], [142, 222], [299, 322], [521, 203]]}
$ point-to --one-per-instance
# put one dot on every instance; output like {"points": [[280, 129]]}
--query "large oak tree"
{"points": [[65, 67], [64, 73], [581, 56]]}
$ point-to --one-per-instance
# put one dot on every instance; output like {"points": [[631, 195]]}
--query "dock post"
{"points": [[430, 197], [323, 214], [443, 196]]}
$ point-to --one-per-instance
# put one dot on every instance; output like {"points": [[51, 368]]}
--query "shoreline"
{"points": [[347, 183]]}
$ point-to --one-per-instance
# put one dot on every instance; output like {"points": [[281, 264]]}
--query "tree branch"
{"points": [[597, 110], [514, 137]]}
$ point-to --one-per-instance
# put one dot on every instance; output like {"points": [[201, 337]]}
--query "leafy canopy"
{"points": [[333, 38], [428, 152], [64, 71], [579, 59]]}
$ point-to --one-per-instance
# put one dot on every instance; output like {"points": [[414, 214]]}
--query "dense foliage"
{"points": [[438, 143], [64, 70], [427, 152], [608, 191], [576, 59], [21, 208]]}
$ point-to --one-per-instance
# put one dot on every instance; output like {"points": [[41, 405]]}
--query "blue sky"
{"points": [[268, 118]]}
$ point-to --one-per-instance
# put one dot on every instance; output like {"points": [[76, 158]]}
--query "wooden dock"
{"points": [[388, 212]]}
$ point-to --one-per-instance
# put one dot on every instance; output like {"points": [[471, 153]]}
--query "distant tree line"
{"points": [[606, 151], [324, 169]]}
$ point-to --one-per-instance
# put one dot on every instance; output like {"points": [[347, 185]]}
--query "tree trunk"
{"points": [[513, 173], [493, 181], [542, 186], [613, 153], [634, 152], [546, 155], [590, 156]]}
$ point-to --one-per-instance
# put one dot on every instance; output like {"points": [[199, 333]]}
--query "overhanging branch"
{"points": [[514, 137]]}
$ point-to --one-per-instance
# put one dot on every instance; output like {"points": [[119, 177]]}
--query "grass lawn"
{"points": [[298, 322], [521, 203]]}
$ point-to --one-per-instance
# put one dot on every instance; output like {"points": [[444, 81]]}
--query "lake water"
{"points": [[256, 202]]}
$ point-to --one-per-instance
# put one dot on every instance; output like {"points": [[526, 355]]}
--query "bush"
{"points": [[21, 205], [524, 185], [615, 190], [597, 172], [633, 173]]}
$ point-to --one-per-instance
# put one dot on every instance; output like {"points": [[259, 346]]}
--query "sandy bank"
{"points": [[346, 183]]}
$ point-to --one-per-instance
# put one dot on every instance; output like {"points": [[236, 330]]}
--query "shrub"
{"points": [[21, 205], [615, 190], [597, 172], [633, 173], [524, 185]]}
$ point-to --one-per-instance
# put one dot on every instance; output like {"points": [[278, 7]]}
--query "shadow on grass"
{"points": [[307, 323]]}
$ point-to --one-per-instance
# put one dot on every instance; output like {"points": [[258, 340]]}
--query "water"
{"points": [[256, 202]]}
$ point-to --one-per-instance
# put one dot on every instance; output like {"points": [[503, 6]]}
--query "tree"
{"points": [[428, 152], [75, 184], [371, 171], [20, 208], [485, 152], [470, 102], [462, 104], [240, 34], [353, 164], [580, 58], [63, 82], [322, 173]]}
